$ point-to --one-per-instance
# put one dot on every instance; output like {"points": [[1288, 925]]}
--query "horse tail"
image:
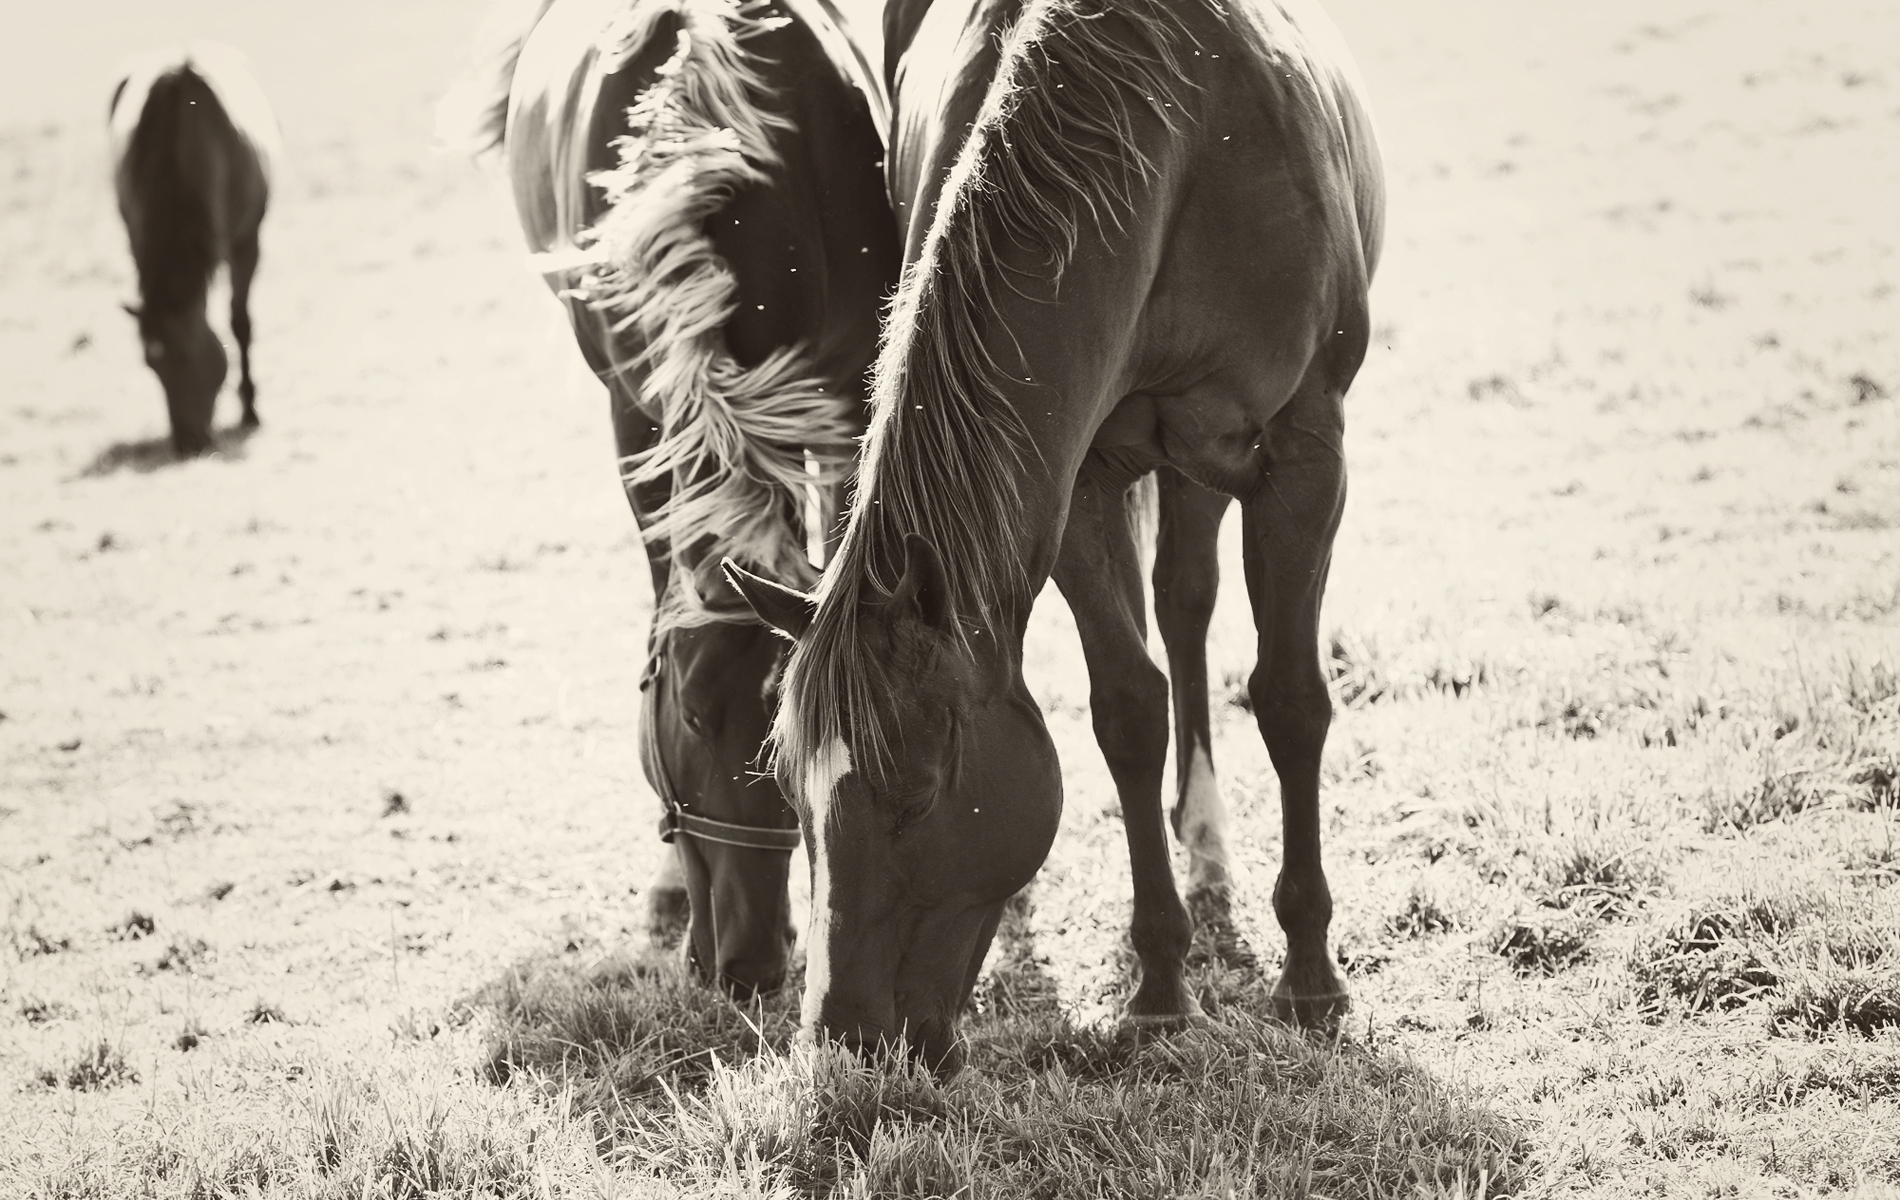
{"points": [[472, 116], [743, 446]]}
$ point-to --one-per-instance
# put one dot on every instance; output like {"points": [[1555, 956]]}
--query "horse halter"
{"points": [[677, 820]]}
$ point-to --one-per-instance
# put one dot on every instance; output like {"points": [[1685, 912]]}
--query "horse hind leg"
{"points": [[243, 267], [1289, 525], [1186, 582], [1099, 574]]}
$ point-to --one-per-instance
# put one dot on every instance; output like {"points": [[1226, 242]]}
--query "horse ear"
{"points": [[785, 609], [924, 583]]}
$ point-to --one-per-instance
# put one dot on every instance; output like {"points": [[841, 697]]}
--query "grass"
{"points": [[98, 1065], [1610, 799], [573, 1081]]}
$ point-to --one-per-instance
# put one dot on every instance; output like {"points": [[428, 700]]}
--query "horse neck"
{"points": [[1036, 158]]}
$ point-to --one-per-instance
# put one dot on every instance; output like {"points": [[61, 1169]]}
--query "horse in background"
{"points": [[700, 182], [193, 141], [1139, 235]]}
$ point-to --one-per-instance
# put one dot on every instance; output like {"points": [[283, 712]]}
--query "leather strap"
{"points": [[706, 829]]}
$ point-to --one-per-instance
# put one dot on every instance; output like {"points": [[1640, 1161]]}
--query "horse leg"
{"points": [[1186, 581], [1099, 573], [243, 267], [1289, 522]]}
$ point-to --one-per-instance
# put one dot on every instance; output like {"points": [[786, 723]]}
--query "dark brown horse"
{"points": [[192, 144], [1140, 235], [700, 182]]}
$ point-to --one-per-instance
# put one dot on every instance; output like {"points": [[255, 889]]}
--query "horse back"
{"points": [[190, 129], [1277, 216], [809, 242]]}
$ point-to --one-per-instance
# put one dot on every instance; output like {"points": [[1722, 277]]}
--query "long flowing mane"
{"points": [[177, 250], [1053, 152], [741, 445]]}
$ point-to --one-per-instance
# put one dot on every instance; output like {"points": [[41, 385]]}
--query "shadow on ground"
{"points": [[711, 1096], [146, 455]]}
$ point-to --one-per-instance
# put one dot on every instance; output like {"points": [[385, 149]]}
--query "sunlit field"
{"points": [[322, 831]]}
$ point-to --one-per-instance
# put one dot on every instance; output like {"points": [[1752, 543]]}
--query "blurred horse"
{"points": [[193, 140], [701, 183], [1139, 235]]}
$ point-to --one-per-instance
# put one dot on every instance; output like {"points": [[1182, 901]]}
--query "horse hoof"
{"points": [[668, 913], [1322, 1013], [1166, 1022]]}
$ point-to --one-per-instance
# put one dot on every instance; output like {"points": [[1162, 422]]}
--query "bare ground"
{"points": [[306, 746]]}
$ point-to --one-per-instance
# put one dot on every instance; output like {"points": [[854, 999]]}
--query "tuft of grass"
{"points": [[99, 1066], [182, 954], [263, 1012], [1242, 1107], [135, 926], [1432, 905], [621, 1031], [1823, 960], [35, 1011], [1606, 877], [1876, 863], [1361, 672], [1543, 941], [32, 942], [191, 1036], [1827, 996], [1876, 782]]}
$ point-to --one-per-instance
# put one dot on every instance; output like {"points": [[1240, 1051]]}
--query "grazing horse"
{"points": [[1139, 235], [700, 181], [193, 140]]}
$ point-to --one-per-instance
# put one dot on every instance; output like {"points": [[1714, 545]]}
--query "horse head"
{"points": [[917, 837], [711, 692], [190, 363]]}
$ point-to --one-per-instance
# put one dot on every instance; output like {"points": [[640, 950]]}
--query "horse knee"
{"points": [[1131, 719]]}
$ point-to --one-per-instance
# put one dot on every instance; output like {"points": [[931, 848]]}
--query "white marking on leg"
{"points": [[1204, 824], [822, 774]]}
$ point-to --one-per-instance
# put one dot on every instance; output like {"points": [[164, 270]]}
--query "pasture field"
{"points": [[321, 823]]}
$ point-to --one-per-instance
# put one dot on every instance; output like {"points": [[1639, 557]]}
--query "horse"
{"points": [[193, 141], [700, 182], [1139, 235]]}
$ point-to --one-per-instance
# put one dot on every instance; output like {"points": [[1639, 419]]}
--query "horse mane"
{"points": [[176, 251], [741, 445], [1054, 146]]}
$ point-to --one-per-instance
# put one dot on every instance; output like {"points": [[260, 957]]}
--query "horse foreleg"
{"points": [[1099, 573], [243, 267], [1289, 523], [669, 911], [1186, 581]]}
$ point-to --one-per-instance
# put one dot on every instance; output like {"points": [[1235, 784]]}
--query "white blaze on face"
{"points": [[1204, 824], [822, 774]]}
